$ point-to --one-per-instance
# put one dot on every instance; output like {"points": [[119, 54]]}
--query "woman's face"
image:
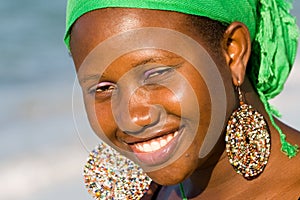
{"points": [[151, 104]]}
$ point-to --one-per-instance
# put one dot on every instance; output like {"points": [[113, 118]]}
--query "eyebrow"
{"points": [[146, 61], [90, 77], [152, 60], [93, 77]]}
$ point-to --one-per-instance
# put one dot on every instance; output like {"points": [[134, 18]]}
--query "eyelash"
{"points": [[152, 73], [104, 88]]}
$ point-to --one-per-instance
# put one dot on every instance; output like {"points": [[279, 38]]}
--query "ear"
{"points": [[236, 46]]}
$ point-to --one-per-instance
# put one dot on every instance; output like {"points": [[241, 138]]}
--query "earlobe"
{"points": [[237, 50]]}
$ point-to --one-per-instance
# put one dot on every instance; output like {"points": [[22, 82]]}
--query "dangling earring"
{"points": [[109, 175], [247, 140]]}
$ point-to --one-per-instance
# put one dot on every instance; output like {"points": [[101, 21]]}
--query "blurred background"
{"points": [[42, 151]]}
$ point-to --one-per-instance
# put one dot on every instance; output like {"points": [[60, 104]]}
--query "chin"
{"points": [[174, 173], [166, 179]]}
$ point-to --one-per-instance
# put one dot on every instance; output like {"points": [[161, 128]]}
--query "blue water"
{"points": [[41, 155]]}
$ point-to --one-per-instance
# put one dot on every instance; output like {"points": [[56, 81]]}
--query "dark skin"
{"points": [[212, 177]]}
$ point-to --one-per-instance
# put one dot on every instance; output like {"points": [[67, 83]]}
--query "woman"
{"points": [[182, 88]]}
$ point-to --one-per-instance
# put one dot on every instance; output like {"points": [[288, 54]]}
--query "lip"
{"points": [[150, 133], [159, 149]]}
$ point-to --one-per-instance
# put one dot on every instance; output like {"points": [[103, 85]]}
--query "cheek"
{"points": [[101, 118], [198, 89], [189, 161], [168, 99], [105, 118]]}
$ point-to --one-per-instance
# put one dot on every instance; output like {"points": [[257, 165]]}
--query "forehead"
{"points": [[94, 27]]}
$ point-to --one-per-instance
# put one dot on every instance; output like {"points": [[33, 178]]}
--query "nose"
{"points": [[140, 114], [134, 112]]}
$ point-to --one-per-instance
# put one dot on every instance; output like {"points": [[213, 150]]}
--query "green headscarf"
{"points": [[274, 35]]}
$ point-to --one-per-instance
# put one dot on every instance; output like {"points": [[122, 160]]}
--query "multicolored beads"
{"points": [[109, 175], [247, 141]]}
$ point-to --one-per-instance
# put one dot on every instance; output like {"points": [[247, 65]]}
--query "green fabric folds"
{"points": [[225, 11], [274, 35]]}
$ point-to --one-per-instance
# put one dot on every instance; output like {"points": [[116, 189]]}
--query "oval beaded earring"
{"points": [[247, 140], [110, 175]]}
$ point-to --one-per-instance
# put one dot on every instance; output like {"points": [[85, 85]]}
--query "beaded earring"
{"points": [[247, 140], [109, 175]]}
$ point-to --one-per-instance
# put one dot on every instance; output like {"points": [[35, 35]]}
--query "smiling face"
{"points": [[152, 104]]}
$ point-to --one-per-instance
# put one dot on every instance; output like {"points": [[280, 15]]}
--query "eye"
{"points": [[158, 72], [103, 88]]}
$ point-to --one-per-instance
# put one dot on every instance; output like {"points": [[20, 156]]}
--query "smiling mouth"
{"points": [[157, 150], [156, 143]]}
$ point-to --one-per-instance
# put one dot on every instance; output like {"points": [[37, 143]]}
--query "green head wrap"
{"points": [[273, 32]]}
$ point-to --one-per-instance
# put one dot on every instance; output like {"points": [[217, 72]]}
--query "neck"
{"points": [[202, 176]]}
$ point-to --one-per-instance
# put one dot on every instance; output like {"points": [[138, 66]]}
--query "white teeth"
{"points": [[139, 146], [169, 138], [147, 147], [155, 144], [176, 133], [163, 142]]}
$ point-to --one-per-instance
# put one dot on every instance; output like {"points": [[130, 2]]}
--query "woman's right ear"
{"points": [[236, 45]]}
